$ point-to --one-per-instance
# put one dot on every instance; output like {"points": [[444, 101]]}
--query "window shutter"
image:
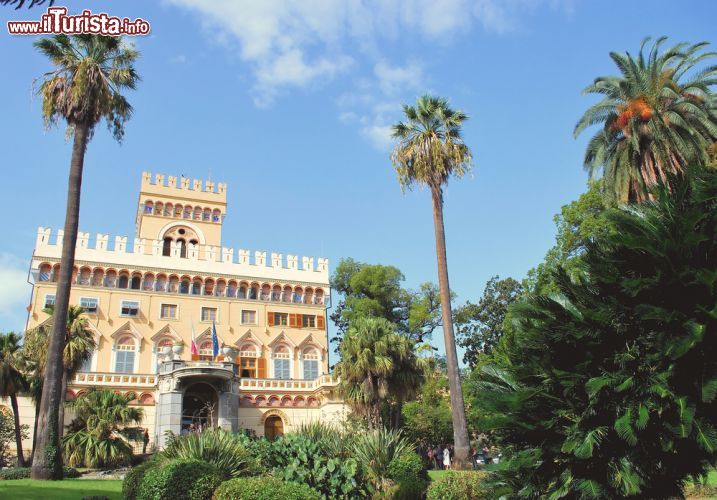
{"points": [[292, 320], [270, 319], [320, 322], [261, 368], [299, 321]]}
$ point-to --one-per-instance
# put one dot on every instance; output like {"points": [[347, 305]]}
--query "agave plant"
{"points": [[226, 451], [375, 450]]}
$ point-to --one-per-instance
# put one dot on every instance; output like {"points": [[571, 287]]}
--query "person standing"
{"points": [[146, 441], [447, 458]]}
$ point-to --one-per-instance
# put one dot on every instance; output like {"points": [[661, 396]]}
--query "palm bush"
{"points": [[375, 451], [95, 437], [227, 452], [608, 388]]}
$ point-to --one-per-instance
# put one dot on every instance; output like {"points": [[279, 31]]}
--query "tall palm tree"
{"points": [[658, 117], [12, 381], [429, 151], [376, 364], [85, 87]]}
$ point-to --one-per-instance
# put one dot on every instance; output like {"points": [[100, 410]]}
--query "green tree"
{"points": [[12, 382], [375, 290], [607, 388], [8, 436], [657, 117], [94, 438], [481, 325], [430, 150], [377, 364], [90, 72], [578, 223], [427, 421]]}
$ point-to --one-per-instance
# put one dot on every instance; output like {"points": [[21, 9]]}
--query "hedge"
{"points": [[458, 485], [264, 488], [179, 480]]}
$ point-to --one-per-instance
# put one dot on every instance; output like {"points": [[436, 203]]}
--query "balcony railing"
{"points": [[269, 384], [115, 379]]}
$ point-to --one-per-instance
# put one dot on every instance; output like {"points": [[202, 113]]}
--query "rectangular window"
{"points": [[90, 304], [129, 308], [124, 362], [86, 365], [168, 311], [248, 317], [209, 314], [49, 301], [281, 319], [281, 369], [311, 369], [308, 321]]}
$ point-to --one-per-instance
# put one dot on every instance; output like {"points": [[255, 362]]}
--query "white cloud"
{"points": [[392, 79], [379, 135], [14, 293]]}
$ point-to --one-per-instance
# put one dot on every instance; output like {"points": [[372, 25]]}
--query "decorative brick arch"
{"points": [[275, 413]]}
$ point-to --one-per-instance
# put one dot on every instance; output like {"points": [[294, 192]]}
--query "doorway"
{"points": [[199, 407], [273, 428]]}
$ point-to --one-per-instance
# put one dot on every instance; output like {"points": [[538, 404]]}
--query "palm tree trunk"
{"points": [[460, 430], [47, 460], [18, 434], [61, 409], [34, 430]]}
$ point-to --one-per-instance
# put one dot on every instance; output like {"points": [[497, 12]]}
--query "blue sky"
{"points": [[289, 102]]}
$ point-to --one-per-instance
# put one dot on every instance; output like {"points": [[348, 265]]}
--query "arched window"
{"points": [[125, 355], [286, 296], [276, 293], [161, 283], [207, 215], [84, 276], [319, 296], [148, 206], [232, 289], [198, 213], [136, 281], [45, 272], [298, 292], [197, 286], [111, 278], [184, 286], [148, 282], [254, 292], [168, 210], [242, 291], [182, 248], [216, 215], [282, 362], [310, 363], [98, 276], [206, 350], [167, 247], [173, 284], [123, 281], [158, 208]]}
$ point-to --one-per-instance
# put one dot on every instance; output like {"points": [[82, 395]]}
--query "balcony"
{"points": [[115, 379], [267, 384]]}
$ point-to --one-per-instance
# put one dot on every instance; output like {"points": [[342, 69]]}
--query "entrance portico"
{"points": [[196, 393]]}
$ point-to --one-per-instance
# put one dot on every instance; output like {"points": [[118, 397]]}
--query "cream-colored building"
{"points": [[144, 300]]}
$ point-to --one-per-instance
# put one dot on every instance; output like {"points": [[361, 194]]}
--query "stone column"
{"points": [[169, 404]]}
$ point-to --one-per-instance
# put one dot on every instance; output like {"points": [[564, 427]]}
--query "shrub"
{"points": [[228, 452], [15, 473], [70, 472], [295, 457], [458, 486], [375, 450], [180, 480], [133, 479], [408, 473], [264, 488]]}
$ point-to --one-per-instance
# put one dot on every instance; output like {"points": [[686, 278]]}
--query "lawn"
{"points": [[69, 489]]}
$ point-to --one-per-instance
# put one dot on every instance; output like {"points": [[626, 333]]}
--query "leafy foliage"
{"points": [[264, 488], [94, 437], [322, 464], [427, 421], [606, 388], [409, 475], [24, 473], [459, 486], [657, 118], [579, 223], [375, 290], [376, 364], [375, 450], [133, 478], [480, 326], [12, 382], [7, 436], [226, 451], [180, 480]]}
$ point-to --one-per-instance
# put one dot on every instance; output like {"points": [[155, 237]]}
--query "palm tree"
{"points": [[376, 364], [79, 344], [12, 381], [657, 117], [430, 150], [94, 437], [85, 87]]}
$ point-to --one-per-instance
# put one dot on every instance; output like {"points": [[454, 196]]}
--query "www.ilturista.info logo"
{"points": [[56, 21]]}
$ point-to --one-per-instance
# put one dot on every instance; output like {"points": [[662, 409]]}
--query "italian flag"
{"points": [[195, 352]]}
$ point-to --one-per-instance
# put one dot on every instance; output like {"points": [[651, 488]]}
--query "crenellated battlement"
{"points": [[199, 258], [182, 183]]}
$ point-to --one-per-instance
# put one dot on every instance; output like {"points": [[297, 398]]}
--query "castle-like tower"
{"points": [[146, 300]]}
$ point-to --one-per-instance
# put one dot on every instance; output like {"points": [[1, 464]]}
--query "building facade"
{"points": [[145, 303]]}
